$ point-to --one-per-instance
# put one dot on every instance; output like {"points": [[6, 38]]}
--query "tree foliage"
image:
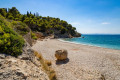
{"points": [[10, 42], [20, 27], [39, 23], [3, 11]]}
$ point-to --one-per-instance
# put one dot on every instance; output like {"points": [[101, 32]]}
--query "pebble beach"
{"points": [[84, 62]]}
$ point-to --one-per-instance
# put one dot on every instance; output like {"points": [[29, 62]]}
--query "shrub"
{"points": [[46, 66], [39, 23], [48, 62], [10, 42], [51, 31], [20, 27], [63, 30], [33, 36]]}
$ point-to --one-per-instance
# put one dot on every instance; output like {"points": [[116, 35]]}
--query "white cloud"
{"points": [[105, 23]]}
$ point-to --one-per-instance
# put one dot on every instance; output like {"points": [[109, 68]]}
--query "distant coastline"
{"points": [[100, 34]]}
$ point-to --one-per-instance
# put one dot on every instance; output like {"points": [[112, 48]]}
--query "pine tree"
{"points": [[28, 14]]}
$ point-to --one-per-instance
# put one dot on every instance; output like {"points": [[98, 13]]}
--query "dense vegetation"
{"points": [[47, 25], [20, 27], [14, 25], [10, 42]]}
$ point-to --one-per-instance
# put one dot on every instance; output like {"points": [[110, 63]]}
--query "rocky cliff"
{"points": [[25, 67]]}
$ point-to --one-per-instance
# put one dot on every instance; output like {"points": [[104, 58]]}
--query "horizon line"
{"points": [[101, 33]]}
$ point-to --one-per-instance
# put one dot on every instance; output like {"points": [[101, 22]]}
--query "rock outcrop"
{"points": [[25, 67], [61, 54], [66, 35], [28, 38]]}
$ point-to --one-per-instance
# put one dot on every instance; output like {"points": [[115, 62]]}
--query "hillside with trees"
{"points": [[10, 42], [14, 26], [13, 42], [46, 25]]}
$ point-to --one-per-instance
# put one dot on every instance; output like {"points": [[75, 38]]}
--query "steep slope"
{"points": [[17, 59], [46, 25], [25, 67], [10, 42]]}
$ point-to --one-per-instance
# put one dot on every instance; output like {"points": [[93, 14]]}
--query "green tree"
{"points": [[9, 16], [42, 24], [28, 14], [63, 30], [10, 42], [14, 12], [3, 12]]}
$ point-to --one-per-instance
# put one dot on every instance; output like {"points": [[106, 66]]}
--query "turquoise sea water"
{"points": [[106, 41]]}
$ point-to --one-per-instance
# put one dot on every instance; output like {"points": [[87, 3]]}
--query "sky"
{"points": [[88, 16]]}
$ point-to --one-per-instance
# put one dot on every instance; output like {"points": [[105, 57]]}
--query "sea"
{"points": [[99, 40]]}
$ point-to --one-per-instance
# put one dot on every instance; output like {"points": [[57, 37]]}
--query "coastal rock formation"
{"points": [[28, 38], [40, 35], [61, 54], [57, 34], [25, 67]]}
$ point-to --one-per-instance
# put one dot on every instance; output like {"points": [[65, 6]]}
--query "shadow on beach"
{"points": [[59, 62]]}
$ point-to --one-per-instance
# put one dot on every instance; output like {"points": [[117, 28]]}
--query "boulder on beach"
{"points": [[61, 54]]}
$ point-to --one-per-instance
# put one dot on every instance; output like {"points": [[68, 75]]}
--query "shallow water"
{"points": [[106, 41]]}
